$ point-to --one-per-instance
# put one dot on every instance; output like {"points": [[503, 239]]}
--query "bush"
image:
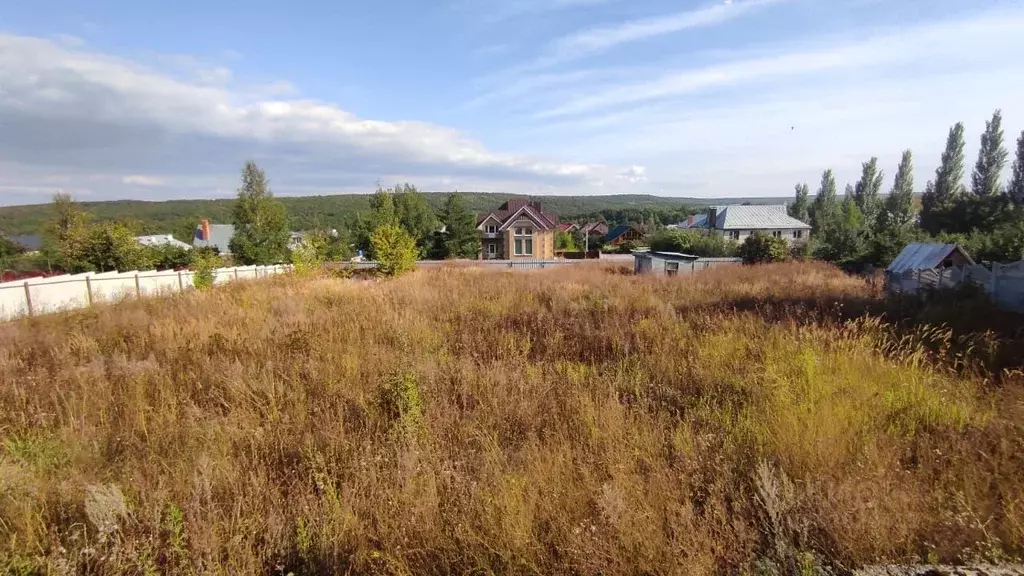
{"points": [[168, 257], [204, 262], [394, 249], [693, 242], [761, 248]]}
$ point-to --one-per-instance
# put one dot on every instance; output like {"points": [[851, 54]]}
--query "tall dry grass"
{"points": [[479, 422]]}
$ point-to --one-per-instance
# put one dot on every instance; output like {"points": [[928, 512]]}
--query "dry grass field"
{"points": [[578, 421]]}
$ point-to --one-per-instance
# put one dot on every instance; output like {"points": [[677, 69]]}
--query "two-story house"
{"points": [[519, 229]]}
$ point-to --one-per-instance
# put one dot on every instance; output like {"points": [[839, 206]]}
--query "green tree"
{"points": [[986, 178], [9, 248], [382, 207], [760, 248], [261, 222], [68, 235], [461, 238], [394, 249], [825, 208], [940, 210], [898, 208], [843, 242], [801, 203], [415, 215], [866, 192], [112, 246], [1016, 187], [566, 241]]}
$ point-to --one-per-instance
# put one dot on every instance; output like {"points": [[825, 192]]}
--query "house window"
{"points": [[527, 231], [671, 268], [492, 229], [734, 234], [777, 233], [492, 249], [524, 246], [798, 234]]}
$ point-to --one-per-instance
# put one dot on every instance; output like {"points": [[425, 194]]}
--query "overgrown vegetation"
{"points": [[459, 421]]}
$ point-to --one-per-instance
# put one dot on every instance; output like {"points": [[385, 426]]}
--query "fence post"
{"points": [[28, 298], [236, 272], [88, 288], [138, 289], [181, 283]]}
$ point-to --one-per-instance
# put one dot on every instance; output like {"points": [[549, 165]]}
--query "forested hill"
{"points": [[180, 217]]}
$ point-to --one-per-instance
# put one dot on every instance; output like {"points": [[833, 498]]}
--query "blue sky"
{"points": [[718, 98]]}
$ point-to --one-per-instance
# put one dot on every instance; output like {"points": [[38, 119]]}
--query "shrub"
{"points": [[394, 249], [204, 262], [761, 248], [693, 242]]}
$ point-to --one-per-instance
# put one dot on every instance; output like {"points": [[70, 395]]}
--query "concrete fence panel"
{"points": [[72, 291]]}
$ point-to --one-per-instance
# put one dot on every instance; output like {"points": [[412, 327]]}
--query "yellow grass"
{"points": [[463, 421]]}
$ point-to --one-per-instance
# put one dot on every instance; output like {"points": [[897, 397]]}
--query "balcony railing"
{"points": [[491, 235]]}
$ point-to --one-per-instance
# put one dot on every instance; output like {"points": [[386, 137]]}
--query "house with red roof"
{"points": [[518, 229]]}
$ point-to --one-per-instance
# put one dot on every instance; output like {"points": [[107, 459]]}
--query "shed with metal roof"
{"points": [[929, 256]]}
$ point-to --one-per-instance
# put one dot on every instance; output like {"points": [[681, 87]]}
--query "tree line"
{"points": [[399, 228], [867, 228]]}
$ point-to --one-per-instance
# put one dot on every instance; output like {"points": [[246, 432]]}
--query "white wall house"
{"points": [[739, 222]]}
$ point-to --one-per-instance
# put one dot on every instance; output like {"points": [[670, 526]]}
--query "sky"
{"points": [[118, 99]]}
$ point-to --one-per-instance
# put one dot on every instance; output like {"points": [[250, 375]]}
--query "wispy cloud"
{"points": [[754, 121], [142, 180], [922, 45], [496, 11], [601, 39]]}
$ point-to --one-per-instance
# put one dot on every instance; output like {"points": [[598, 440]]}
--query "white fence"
{"points": [[1004, 284], [494, 264], [36, 296]]}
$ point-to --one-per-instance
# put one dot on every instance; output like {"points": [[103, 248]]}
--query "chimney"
{"points": [[712, 217], [206, 230]]}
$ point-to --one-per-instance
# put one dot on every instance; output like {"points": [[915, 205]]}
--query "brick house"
{"points": [[518, 229]]}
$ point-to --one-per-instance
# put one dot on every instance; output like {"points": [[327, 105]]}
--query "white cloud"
{"points": [[634, 174], [605, 38], [143, 180], [77, 110], [755, 122], [923, 45]]}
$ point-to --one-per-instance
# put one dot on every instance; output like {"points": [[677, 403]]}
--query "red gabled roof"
{"points": [[513, 206]]}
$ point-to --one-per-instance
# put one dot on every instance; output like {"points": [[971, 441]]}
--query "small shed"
{"points": [[925, 265], [662, 263], [928, 256]]}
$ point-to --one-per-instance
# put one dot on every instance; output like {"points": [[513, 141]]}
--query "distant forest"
{"points": [[179, 217]]}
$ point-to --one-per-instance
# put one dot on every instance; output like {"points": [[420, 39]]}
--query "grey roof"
{"points": [[220, 237], [30, 242], [737, 217], [924, 256], [699, 221], [162, 240], [666, 255]]}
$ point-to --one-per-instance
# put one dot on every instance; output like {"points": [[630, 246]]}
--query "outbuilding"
{"points": [[675, 263]]}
